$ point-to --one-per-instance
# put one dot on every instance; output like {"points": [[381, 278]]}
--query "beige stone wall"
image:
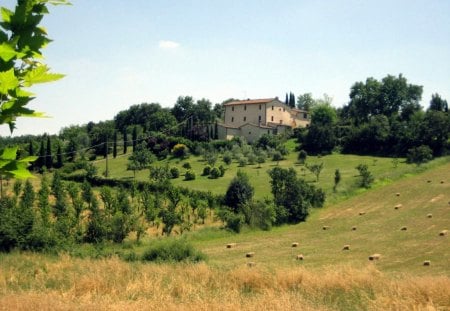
{"points": [[252, 132], [238, 115]]}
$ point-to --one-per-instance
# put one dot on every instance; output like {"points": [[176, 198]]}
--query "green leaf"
{"points": [[6, 15], [8, 81], [9, 153], [7, 52], [29, 159], [40, 74]]}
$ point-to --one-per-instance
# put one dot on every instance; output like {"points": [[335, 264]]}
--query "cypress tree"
{"points": [[48, 155], [216, 131], [134, 137], [59, 157], [41, 159], [286, 101], [124, 142], [31, 153], [115, 145]]}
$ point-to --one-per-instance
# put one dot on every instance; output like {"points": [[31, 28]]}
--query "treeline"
{"points": [[382, 118]]}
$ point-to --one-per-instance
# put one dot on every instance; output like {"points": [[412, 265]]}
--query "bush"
{"points": [[242, 161], [187, 165], [179, 151], [215, 173], [190, 175], [206, 170], [419, 155], [172, 250], [302, 155], [174, 172], [227, 158], [222, 170]]}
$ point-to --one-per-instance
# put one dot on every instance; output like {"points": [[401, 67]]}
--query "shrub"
{"points": [[302, 155], [174, 172], [227, 158], [215, 173], [206, 170], [187, 165], [190, 175], [366, 176], [172, 250], [419, 155], [179, 151], [277, 156], [222, 170], [242, 161]]}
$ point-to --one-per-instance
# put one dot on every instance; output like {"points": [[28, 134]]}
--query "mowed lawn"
{"points": [[378, 230]]}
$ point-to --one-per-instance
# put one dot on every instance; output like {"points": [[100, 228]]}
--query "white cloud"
{"points": [[166, 44]]}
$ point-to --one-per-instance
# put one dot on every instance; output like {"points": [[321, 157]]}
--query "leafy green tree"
{"points": [[43, 201], [305, 102], [438, 104], [125, 142], [321, 136], [316, 169], [293, 196], [239, 192], [140, 159]]}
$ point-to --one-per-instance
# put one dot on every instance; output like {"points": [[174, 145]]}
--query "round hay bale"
{"points": [[231, 245], [428, 181], [443, 232], [295, 244], [374, 257], [442, 181], [346, 247], [430, 215], [299, 257], [325, 227], [397, 194], [427, 263], [251, 264], [398, 206], [404, 228], [250, 254], [362, 213], [354, 228]]}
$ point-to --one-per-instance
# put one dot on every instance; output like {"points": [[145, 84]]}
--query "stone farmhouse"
{"points": [[252, 118]]}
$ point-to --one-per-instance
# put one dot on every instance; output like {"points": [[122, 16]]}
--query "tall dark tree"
{"points": [[125, 142], [286, 100], [48, 154], [115, 145], [134, 137], [59, 157], [291, 100], [31, 153]]}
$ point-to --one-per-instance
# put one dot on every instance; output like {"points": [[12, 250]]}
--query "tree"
{"points": [[366, 176], [239, 192], [125, 142], [438, 104], [302, 155], [293, 196], [140, 159], [134, 137], [291, 102], [419, 155], [321, 136], [59, 157], [115, 145], [305, 102], [21, 67], [316, 169], [48, 154]]}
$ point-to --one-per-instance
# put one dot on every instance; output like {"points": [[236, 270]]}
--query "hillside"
{"points": [[377, 231]]}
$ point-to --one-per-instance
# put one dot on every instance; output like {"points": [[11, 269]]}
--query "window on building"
{"points": [[232, 119], [245, 107], [305, 116], [284, 109], [272, 107], [259, 107], [259, 118], [249, 133], [281, 121], [271, 118], [232, 108], [245, 119], [268, 131]]}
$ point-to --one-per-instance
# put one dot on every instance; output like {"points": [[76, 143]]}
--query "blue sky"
{"points": [[120, 53]]}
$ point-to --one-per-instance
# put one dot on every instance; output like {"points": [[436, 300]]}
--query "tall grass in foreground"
{"points": [[37, 282]]}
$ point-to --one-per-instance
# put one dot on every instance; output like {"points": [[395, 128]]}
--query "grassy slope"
{"points": [[378, 231]]}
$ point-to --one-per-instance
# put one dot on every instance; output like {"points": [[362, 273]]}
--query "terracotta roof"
{"points": [[251, 101]]}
